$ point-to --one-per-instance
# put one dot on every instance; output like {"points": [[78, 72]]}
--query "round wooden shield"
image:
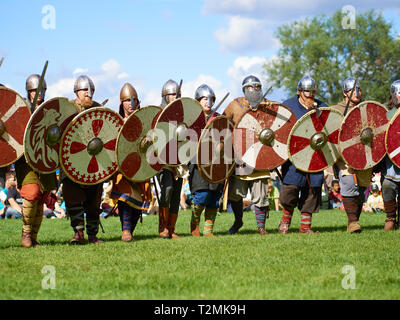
{"points": [[362, 135], [135, 151], [14, 116], [215, 156], [260, 137], [44, 131], [87, 149], [178, 130], [392, 139], [313, 141]]}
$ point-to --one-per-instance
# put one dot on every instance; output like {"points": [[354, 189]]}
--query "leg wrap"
{"points": [[305, 220], [38, 221], [210, 215], [28, 215], [352, 208], [261, 216], [286, 216], [196, 214]]}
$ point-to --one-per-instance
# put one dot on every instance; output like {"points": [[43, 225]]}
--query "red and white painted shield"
{"points": [[14, 116], [44, 131], [393, 139], [362, 135], [178, 131], [135, 152], [313, 141], [215, 156], [260, 137], [87, 149]]}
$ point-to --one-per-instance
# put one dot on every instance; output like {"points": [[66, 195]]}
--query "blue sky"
{"points": [[148, 42]]}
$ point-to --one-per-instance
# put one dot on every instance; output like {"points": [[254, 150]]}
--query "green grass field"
{"points": [[243, 266]]}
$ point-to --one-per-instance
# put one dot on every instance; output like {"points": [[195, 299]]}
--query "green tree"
{"points": [[322, 48]]}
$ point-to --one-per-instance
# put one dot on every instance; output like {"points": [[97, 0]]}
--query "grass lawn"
{"points": [[240, 267]]}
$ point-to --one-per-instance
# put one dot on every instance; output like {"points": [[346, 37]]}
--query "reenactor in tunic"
{"points": [[82, 199], [132, 198], [169, 178], [353, 183], [34, 187], [301, 189], [246, 178]]}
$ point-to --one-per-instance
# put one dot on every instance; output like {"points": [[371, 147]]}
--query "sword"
{"points": [[219, 104], [351, 94], [263, 98], [1, 61], [104, 103], [178, 92], [39, 88]]}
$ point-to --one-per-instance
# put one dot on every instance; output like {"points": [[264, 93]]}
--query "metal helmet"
{"points": [[306, 84], [348, 85], [84, 82], [395, 91], [128, 92], [32, 83], [250, 81], [205, 91], [170, 87]]}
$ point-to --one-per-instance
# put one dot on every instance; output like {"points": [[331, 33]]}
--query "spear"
{"points": [[40, 86], [219, 104], [351, 95], [1, 61], [178, 92]]}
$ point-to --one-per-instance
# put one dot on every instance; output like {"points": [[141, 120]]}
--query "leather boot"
{"points": [[390, 224], [163, 222], [79, 237], [354, 227], [126, 236], [171, 225], [262, 231], [26, 240], [283, 227], [94, 240]]}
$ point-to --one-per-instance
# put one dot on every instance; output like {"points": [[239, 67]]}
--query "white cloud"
{"points": [[80, 70], [244, 33], [252, 23], [285, 10], [108, 81]]}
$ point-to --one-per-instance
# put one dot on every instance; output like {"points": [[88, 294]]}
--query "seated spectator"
{"points": [[335, 198], [13, 203], [51, 207], [375, 201]]}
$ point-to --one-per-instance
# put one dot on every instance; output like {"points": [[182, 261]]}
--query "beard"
{"points": [[254, 97], [86, 102]]}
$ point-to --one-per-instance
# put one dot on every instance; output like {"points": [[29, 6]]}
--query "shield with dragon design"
{"points": [[313, 141], [261, 135], [87, 149], [178, 130], [215, 156], [43, 134], [135, 153], [362, 135], [14, 116]]}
